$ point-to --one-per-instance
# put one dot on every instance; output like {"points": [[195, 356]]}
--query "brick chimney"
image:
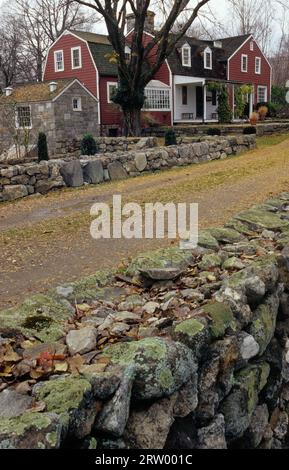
{"points": [[149, 25]]}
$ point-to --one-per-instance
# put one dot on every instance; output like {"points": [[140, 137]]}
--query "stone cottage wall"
{"points": [[200, 353], [30, 178], [70, 125]]}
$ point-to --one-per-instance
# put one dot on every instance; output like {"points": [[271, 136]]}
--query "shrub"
{"points": [[224, 110], [254, 118], [214, 131], [88, 145], [170, 138], [250, 130], [263, 111], [273, 108], [42, 149]]}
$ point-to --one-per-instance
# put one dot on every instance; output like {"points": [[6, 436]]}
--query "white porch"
{"points": [[193, 102]]}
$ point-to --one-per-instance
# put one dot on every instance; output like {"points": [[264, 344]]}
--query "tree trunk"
{"points": [[132, 122]]}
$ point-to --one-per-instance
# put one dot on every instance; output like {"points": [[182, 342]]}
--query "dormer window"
{"points": [[208, 59], [186, 55]]}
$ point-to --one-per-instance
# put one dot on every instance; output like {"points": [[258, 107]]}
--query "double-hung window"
{"points": [[258, 65], [208, 59], [186, 56], [76, 58], [262, 94], [244, 63], [58, 61]]}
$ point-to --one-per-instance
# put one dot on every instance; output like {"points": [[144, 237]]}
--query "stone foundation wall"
{"points": [[23, 180], [267, 128], [181, 350]]}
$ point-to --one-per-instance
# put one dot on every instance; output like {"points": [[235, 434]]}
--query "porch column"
{"points": [[250, 104], [205, 102], [233, 101]]}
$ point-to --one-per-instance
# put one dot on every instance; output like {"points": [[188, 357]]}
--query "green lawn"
{"points": [[268, 140]]}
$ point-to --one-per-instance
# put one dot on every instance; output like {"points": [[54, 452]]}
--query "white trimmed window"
{"points": [[76, 58], [58, 61], [23, 117], [111, 88], [244, 63], [252, 46], [76, 104], [258, 65], [157, 99], [127, 53], [262, 94], [186, 55], [208, 59]]}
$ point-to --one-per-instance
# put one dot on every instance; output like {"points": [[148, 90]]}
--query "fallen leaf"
{"points": [[75, 363], [38, 406], [60, 367]]}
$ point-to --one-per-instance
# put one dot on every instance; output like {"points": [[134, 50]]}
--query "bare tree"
{"points": [[253, 16], [39, 24], [146, 58]]}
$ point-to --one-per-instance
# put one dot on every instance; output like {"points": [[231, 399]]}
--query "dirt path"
{"points": [[45, 240]]}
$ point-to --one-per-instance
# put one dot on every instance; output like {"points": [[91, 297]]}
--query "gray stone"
{"points": [[148, 428], [81, 341], [213, 436], [249, 347], [13, 404], [258, 425], [116, 171], [114, 415], [127, 317], [71, 173], [233, 263], [151, 307], [64, 291], [13, 192], [140, 161], [164, 274], [93, 172]]}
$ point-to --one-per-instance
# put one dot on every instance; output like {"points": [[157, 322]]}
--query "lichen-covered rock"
{"points": [[213, 436], [239, 406], [31, 431], [225, 235], [187, 399], [158, 259], [193, 333], [206, 240], [222, 319], [71, 398], [114, 415], [162, 366], [260, 219], [264, 323], [40, 316], [233, 263], [210, 261]]}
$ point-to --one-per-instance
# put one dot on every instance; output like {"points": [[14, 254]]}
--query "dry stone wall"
{"points": [[182, 350], [31, 178]]}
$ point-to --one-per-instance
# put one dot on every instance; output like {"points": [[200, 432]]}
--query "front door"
{"points": [[199, 102]]}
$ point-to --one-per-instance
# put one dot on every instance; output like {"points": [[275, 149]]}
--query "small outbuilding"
{"points": [[64, 110]]}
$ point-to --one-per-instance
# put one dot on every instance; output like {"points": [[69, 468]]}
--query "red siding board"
{"points": [[86, 75], [250, 77]]}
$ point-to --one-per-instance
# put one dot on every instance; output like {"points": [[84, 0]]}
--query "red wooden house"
{"points": [[179, 91]]}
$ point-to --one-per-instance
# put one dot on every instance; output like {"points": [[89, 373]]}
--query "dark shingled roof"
{"points": [[220, 56], [33, 92], [99, 53], [100, 46]]}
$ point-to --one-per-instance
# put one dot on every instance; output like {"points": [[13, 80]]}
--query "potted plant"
{"points": [[263, 111], [254, 117]]}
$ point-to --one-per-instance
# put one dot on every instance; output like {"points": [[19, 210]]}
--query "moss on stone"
{"points": [[206, 240], [162, 258], [189, 327], [125, 353], [261, 219], [263, 326], [89, 287], [225, 235], [166, 379], [222, 318], [26, 421], [41, 316], [210, 261], [63, 395]]}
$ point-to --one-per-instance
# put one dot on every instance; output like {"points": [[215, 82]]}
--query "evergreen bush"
{"points": [[170, 138], [214, 131], [250, 130], [88, 145], [42, 149]]}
